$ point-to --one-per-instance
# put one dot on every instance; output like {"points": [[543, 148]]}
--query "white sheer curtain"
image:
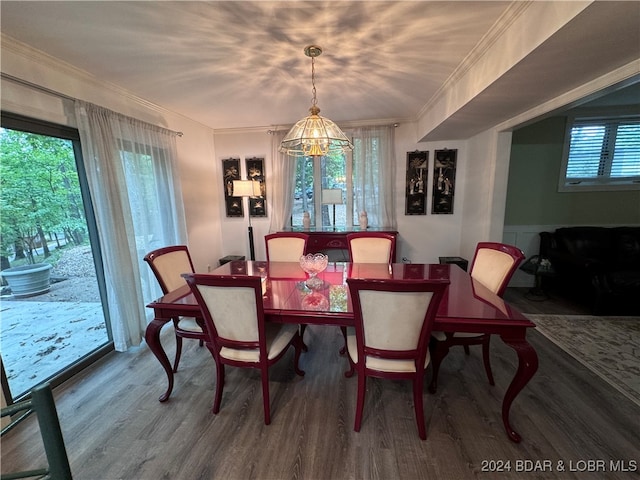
{"points": [[282, 184], [132, 174], [374, 168]]}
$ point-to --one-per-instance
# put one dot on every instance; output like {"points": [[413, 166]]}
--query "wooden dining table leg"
{"points": [[152, 337], [527, 366]]}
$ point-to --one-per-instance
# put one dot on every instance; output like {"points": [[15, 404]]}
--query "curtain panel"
{"points": [[134, 184], [374, 168], [281, 184]]}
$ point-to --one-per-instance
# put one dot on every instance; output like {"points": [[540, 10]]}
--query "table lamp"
{"points": [[246, 189], [332, 196]]}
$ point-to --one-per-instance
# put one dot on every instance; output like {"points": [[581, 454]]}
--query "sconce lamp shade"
{"points": [[332, 196], [246, 188]]}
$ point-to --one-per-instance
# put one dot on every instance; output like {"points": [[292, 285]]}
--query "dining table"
{"points": [[467, 306]]}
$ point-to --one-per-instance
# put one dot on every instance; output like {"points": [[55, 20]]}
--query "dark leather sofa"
{"points": [[597, 265]]}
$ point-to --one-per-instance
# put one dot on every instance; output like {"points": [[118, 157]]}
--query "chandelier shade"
{"points": [[314, 135]]}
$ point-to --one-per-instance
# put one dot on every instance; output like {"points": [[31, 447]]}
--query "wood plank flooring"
{"points": [[551, 303], [115, 428]]}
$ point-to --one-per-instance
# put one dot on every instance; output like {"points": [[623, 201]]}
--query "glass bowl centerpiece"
{"points": [[313, 264]]}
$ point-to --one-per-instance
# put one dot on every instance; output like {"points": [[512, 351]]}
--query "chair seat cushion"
{"points": [[441, 336], [380, 364], [278, 337], [189, 324]]}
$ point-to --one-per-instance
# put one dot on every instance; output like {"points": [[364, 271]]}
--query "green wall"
{"points": [[532, 192]]}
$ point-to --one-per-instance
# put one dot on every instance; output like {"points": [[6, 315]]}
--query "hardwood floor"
{"points": [[527, 302], [115, 428]]}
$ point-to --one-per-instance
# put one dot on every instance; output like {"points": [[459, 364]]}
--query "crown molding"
{"points": [[502, 25], [50, 62], [11, 45]]}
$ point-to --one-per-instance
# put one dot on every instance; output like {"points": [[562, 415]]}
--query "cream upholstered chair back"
{"points": [[494, 264], [392, 316], [371, 247], [286, 246], [380, 312], [234, 315], [168, 264], [233, 311]]}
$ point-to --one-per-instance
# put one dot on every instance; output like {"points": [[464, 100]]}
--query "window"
{"points": [[312, 177], [602, 154], [365, 177]]}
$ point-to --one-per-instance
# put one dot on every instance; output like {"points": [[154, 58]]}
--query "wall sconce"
{"points": [[246, 189]]}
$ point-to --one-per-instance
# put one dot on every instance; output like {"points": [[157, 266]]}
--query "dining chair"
{"points": [[371, 247], [237, 332], [493, 266], [285, 246], [390, 337], [168, 264]]}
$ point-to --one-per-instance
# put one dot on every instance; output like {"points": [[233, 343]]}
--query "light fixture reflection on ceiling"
{"points": [[314, 135]]}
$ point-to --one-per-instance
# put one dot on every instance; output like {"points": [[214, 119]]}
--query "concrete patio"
{"points": [[39, 338]]}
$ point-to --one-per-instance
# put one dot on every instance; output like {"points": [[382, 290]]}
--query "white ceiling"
{"points": [[241, 64]]}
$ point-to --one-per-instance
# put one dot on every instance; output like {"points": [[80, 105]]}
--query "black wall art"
{"points": [[231, 172], [444, 180], [416, 186], [255, 172]]}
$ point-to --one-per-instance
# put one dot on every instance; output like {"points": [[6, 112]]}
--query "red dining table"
{"points": [[467, 306]]}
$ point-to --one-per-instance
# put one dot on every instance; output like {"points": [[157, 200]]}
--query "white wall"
{"points": [[243, 144], [485, 186], [424, 238]]}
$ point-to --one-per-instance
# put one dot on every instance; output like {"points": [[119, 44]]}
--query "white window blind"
{"points": [[603, 152], [626, 153]]}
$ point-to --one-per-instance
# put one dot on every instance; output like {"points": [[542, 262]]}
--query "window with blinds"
{"points": [[602, 154]]}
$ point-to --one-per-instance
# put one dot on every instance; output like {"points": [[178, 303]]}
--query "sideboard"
{"points": [[332, 241]]}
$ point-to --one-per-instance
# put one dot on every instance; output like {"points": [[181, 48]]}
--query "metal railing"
{"points": [[42, 404]]}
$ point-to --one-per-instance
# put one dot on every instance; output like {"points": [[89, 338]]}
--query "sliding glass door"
{"points": [[53, 318]]}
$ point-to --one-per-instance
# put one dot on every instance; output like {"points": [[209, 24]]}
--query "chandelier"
{"points": [[314, 135]]}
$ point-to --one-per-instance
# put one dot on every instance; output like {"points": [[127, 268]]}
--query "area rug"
{"points": [[608, 346]]}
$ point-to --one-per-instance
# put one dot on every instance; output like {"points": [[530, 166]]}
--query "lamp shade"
{"points": [[314, 136], [332, 196], [246, 188]]}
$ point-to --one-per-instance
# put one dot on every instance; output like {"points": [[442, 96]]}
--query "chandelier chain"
{"points": [[314, 101]]}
